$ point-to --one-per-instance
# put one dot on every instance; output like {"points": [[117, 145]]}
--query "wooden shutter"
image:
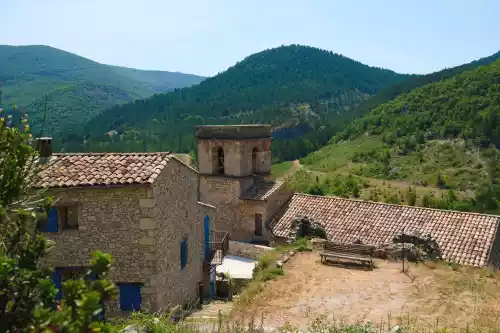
{"points": [[130, 296], [52, 221]]}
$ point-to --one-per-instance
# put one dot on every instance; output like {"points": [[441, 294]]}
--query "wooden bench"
{"points": [[349, 252]]}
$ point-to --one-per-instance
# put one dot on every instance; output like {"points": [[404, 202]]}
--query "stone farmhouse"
{"points": [[168, 225], [144, 209]]}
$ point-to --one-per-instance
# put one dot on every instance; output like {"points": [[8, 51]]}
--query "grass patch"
{"points": [[271, 273], [281, 169]]}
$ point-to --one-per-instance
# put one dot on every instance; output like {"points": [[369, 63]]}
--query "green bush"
{"points": [[27, 294], [271, 273]]}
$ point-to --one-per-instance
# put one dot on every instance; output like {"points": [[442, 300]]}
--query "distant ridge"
{"points": [[77, 88]]}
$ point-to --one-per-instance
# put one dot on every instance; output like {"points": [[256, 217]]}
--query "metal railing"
{"points": [[219, 246]]}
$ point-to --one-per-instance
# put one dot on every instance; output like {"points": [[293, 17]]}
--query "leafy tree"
{"points": [[27, 294], [486, 197]]}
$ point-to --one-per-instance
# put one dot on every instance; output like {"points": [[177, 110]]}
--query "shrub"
{"points": [[271, 273]]}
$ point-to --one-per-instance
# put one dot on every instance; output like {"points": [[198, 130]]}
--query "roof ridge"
{"points": [[391, 204], [112, 153]]}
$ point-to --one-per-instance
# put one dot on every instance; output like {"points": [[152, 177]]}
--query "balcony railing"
{"points": [[218, 246]]}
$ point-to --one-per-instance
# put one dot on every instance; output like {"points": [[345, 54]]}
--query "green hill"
{"points": [[416, 81], [76, 88], [436, 146], [294, 88]]}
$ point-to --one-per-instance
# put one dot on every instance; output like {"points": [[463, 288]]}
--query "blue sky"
{"points": [[207, 36]]}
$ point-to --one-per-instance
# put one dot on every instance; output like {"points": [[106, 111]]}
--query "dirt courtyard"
{"points": [[436, 294]]}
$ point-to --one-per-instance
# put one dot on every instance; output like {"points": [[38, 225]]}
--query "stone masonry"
{"points": [[243, 188], [141, 226]]}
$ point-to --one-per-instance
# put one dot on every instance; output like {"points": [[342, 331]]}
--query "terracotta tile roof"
{"points": [[261, 190], [464, 238], [101, 169]]}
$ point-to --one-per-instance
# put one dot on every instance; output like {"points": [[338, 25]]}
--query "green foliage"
{"points": [[77, 89], [27, 293], [335, 184], [301, 245], [411, 196], [466, 106], [296, 89], [271, 273], [445, 134], [416, 81], [281, 169]]}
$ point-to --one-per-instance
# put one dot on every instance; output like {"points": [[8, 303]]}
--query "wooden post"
{"points": [[403, 250]]}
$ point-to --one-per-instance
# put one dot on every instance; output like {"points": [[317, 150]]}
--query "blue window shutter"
{"points": [[52, 221], [206, 228], [130, 296], [183, 253]]}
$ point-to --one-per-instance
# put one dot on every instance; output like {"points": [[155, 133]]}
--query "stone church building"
{"points": [[235, 171]]}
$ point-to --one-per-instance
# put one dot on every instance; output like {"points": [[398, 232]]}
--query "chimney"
{"points": [[44, 147]]}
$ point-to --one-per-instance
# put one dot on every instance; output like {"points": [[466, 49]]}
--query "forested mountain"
{"points": [[442, 139], [294, 88], [418, 81], [76, 88]]}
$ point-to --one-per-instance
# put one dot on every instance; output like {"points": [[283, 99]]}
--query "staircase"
{"points": [[218, 247]]}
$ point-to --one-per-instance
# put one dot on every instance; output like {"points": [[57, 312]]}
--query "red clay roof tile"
{"points": [[465, 238], [101, 169]]}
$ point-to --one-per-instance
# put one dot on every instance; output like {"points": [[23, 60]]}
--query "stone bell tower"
{"points": [[231, 159]]}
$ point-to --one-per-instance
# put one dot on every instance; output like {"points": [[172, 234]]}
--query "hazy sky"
{"points": [[207, 36]]}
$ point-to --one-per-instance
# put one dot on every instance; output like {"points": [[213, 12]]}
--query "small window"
{"points": [[130, 296], [254, 160], [184, 253], [67, 217], [258, 224], [219, 160], [62, 217]]}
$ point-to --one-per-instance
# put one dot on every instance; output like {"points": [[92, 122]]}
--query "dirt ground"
{"points": [[432, 294]]}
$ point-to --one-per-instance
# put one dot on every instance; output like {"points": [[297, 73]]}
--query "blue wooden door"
{"points": [[130, 297], [206, 231], [212, 283]]}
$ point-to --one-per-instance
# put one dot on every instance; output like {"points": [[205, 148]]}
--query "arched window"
{"points": [[254, 159], [219, 160]]}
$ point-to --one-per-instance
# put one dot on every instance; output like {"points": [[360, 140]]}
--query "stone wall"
{"points": [[247, 250], [277, 200], [224, 194], [110, 220], [178, 215], [245, 230], [237, 156]]}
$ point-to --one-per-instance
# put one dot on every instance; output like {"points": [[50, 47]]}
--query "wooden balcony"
{"points": [[218, 247]]}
